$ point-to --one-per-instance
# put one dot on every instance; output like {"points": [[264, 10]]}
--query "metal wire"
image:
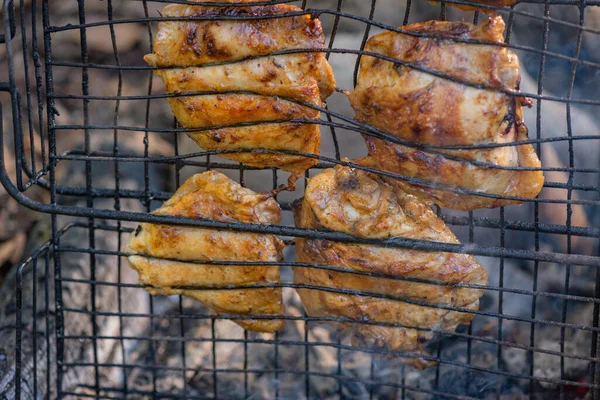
{"points": [[33, 171]]}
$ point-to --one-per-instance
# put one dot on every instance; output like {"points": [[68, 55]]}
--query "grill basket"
{"points": [[81, 326]]}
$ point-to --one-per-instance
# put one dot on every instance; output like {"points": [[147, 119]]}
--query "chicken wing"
{"points": [[363, 205], [427, 109], [233, 60], [163, 253]]}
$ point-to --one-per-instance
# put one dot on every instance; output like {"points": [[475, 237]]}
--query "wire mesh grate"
{"points": [[534, 335]]}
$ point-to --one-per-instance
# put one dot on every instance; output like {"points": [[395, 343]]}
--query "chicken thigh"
{"points": [[363, 205], [249, 92], [164, 254], [427, 109]]}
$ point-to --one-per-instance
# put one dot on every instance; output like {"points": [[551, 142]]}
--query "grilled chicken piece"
{"points": [[233, 60], [361, 204], [426, 109], [213, 196]]}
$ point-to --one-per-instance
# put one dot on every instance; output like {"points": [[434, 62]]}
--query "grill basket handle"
{"points": [[9, 20]]}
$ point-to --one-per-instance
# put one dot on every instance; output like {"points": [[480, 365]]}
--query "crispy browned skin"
{"points": [[493, 3], [422, 108], [188, 46], [355, 202], [214, 196]]}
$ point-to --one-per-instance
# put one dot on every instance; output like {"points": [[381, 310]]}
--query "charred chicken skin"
{"points": [[423, 108], [363, 205], [212, 195], [233, 60]]}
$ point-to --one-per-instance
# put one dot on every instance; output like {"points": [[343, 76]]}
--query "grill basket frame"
{"points": [[32, 172]]}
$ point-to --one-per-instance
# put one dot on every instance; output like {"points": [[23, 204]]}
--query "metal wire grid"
{"points": [[51, 158], [45, 311]]}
